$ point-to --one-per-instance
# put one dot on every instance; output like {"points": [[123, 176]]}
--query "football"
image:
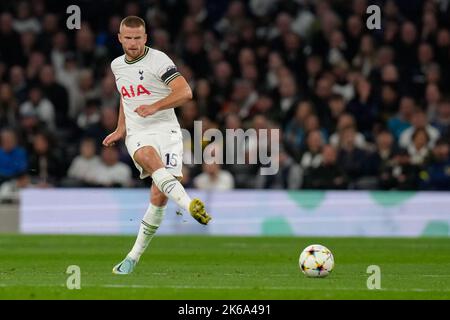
{"points": [[316, 261]]}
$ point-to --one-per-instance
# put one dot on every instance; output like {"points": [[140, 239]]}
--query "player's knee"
{"points": [[148, 158]]}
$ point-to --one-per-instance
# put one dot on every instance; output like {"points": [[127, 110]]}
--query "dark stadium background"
{"points": [[247, 69]]}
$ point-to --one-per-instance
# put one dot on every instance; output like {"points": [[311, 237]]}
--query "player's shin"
{"points": [[171, 187], [150, 223]]}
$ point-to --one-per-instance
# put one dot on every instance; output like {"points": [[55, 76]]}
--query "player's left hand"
{"points": [[146, 110]]}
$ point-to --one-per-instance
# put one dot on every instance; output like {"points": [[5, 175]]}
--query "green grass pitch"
{"points": [[192, 267]]}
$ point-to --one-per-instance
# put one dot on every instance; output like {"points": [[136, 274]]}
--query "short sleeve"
{"points": [[167, 71], [112, 67]]}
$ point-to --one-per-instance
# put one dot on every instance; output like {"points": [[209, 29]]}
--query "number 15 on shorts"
{"points": [[171, 159]]}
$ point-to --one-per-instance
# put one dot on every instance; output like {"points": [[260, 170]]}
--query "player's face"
{"points": [[133, 40]]}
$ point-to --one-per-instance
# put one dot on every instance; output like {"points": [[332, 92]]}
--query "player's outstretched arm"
{"points": [[181, 93], [119, 133]]}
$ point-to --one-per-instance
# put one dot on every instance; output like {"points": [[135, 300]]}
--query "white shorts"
{"points": [[168, 143]]}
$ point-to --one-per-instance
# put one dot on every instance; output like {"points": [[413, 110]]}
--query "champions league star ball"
{"points": [[316, 261]]}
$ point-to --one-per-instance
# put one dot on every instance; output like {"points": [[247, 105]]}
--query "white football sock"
{"points": [[171, 187], [150, 223]]}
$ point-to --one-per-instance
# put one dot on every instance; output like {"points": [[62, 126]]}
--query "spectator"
{"points": [[84, 168], [407, 44], [261, 124], [425, 58], [442, 119], [203, 96], [68, 76], [343, 84], [28, 40], [350, 157], [24, 21], [389, 104], [46, 164], [237, 156], [287, 176], [265, 105], [109, 96], [366, 56], [18, 83], [56, 94], [58, 55], [322, 94], [213, 178], [13, 158], [87, 54], [402, 120], [8, 106], [312, 155], [382, 156], [111, 172], [400, 173], [347, 121], [432, 99], [114, 47], [244, 96], [328, 175], [50, 26], [436, 175], [90, 116], [354, 36], [419, 148], [312, 124], [36, 60], [363, 107], [295, 130], [194, 54], [314, 67], [288, 97], [419, 121], [86, 90], [223, 82], [189, 114], [41, 106], [337, 107], [11, 53], [338, 50], [107, 124]]}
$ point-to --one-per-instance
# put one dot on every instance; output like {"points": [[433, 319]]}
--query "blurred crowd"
{"points": [[356, 108]]}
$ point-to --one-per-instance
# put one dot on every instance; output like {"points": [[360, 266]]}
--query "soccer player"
{"points": [[150, 88]]}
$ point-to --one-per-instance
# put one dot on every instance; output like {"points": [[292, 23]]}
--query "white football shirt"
{"points": [[144, 81]]}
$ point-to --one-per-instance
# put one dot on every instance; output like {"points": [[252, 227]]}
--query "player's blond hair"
{"points": [[132, 22]]}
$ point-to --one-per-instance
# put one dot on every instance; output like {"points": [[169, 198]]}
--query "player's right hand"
{"points": [[112, 138]]}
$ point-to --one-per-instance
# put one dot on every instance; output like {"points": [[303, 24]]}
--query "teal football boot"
{"points": [[125, 267]]}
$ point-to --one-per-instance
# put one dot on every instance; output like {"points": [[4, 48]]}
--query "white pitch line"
{"points": [[141, 286], [269, 288]]}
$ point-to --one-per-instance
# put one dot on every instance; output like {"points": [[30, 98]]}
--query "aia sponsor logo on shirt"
{"points": [[132, 91]]}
